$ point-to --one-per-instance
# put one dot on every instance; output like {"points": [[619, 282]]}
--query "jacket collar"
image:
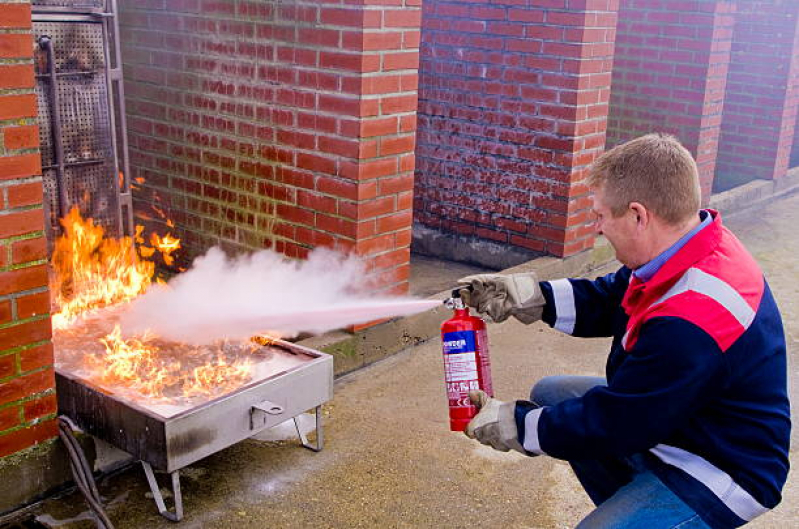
{"points": [[697, 248]]}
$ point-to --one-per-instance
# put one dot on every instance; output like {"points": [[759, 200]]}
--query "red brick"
{"points": [[377, 207], [27, 194], [8, 365], [15, 46], [381, 84], [25, 333], [26, 385], [35, 409], [395, 184], [15, 15], [392, 259], [16, 76], [23, 279], [33, 305], [378, 126], [21, 222], [36, 357], [13, 442], [26, 137], [5, 312], [397, 221], [397, 145], [393, 105], [342, 17], [401, 61], [9, 418], [405, 18], [21, 166], [375, 245]]}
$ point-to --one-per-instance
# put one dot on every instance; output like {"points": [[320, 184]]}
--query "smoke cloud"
{"points": [[235, 298]]}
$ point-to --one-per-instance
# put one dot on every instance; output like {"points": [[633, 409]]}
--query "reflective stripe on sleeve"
{"points": [[531, 443], [719, 482], [563, 292]]}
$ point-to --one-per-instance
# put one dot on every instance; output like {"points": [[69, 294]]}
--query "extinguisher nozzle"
{"points": [[456, 301]]}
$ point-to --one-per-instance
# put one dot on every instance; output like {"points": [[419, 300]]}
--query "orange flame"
{"points": [[166, 245], [91, 271], [135, 364], [138, 364], [216, 378]]}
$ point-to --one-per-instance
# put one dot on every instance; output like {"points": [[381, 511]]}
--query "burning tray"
{"points": [[170, 437]]}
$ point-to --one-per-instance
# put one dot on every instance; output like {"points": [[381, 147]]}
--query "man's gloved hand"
{"points": [[504, 295], [495, 424]]}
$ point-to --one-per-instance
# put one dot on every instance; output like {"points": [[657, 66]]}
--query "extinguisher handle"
{"points": [[455, 302], [456, 292]]}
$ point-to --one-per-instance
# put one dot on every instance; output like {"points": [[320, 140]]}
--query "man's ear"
{"points": [[642, 215]]}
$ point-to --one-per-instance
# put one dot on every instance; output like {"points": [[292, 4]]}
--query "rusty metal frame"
{"points": [[108, 16]]}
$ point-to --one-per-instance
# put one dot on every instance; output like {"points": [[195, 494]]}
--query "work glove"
{"points": [[503, 295], [495, 424]]}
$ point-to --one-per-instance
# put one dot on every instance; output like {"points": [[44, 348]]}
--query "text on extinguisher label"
{"points": [[459, 342]]}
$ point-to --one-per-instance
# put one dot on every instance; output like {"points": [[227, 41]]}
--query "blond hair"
{"points": [[654, 170]]}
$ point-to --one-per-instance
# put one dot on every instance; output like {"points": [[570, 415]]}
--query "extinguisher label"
{"points": [[460, 364], [459, 342]]}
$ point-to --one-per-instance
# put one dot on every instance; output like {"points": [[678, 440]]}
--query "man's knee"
{"points": [[555, 389]]}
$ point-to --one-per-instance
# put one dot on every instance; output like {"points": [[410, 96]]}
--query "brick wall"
{"points": [[284, 124], [762, 92], [27, 400], [670, 73], [512, 110]]}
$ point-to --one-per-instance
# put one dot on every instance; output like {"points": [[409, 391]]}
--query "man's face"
{"points": [[622, 232]]}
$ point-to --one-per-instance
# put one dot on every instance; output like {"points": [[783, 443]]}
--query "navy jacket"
{"points": [[696, 378]]}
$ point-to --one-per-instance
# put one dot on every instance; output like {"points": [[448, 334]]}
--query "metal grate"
{"points": [[78, 47], [77, 4], [79, 128]]}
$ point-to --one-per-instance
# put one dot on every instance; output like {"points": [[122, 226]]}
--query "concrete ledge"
{"points": [[353, 351], [37, 472], [468, 249], [755, 193]]}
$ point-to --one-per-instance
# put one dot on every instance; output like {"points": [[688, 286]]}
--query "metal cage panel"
{"points": [[75, 4], [82, 136]]}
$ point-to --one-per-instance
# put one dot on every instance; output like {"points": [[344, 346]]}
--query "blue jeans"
{"points": [[627, 494]]}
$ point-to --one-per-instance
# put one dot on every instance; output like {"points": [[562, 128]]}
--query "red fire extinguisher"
{"points": [[466, 362]]}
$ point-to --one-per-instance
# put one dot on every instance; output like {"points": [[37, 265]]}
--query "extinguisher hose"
{"points": [[82, 473]]}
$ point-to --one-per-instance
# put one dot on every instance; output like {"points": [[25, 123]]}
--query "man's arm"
{"points": [[583, 307], [673, 369]]}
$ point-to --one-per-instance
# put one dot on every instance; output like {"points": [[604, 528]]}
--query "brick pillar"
{"points": [[27, 399], [283, 124], [670, 73], [513, 103], [762, 92]]}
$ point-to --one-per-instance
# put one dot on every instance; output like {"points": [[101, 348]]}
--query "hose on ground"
{"points": [[82, 473]]}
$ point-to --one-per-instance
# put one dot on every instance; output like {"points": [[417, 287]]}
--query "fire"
{"points": [[166, 245], [140, 365], [92, 271], [135, 364], [218, 377]]}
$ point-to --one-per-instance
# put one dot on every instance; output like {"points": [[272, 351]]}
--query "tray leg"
{"points": [[159, 499], [320, 438]]}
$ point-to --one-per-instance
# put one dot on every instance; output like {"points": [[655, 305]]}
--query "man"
{"points": [[691, 426]]}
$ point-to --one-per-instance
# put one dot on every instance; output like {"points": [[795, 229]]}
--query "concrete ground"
{"points": [[389, 459]]}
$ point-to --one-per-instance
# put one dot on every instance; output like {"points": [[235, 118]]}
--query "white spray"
{"points": [[235, 298]]}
